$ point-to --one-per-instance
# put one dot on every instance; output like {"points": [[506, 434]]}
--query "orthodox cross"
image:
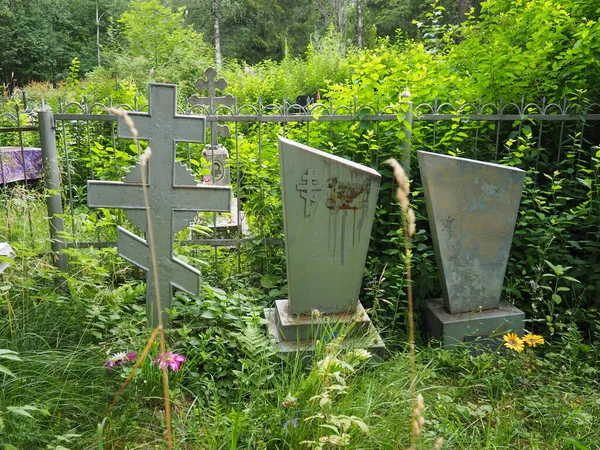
{"points": [[212, 101], [172, 195], [307, 191]]}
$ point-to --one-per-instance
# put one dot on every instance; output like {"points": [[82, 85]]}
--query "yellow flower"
{"points": [[514, 342], [533, 339]]}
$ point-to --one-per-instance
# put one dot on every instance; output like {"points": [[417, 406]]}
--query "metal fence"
{"points": [[80, 142]]}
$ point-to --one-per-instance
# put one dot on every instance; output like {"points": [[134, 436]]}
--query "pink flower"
{"points": [[206, 179], [118, 359], [173, 360]]}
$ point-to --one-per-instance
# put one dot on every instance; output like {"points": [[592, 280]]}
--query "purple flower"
{"points": [[173, 360], [118, 359]]}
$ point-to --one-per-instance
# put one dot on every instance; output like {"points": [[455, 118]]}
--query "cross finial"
{"points": [[211, 85]]}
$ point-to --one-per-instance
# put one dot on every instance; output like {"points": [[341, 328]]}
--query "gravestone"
{"points": [[225, 225], [328, 209], [218, 160], [171, 198], [472, 208]]}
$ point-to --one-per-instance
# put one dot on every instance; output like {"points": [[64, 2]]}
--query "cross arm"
{"points": [[201, 198], [136, 251], [115, 194], [133, 249], [228, 100], [185, 277]]}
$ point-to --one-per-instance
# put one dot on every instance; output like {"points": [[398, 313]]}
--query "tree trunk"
{"points": [[359, 24], [463, 7], [98, 35], [217, 31]]}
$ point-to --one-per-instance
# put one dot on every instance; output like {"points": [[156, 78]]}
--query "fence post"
{"points": [[52, 181], [406, 142]]}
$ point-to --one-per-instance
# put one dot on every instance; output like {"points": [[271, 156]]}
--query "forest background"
{"points": [[505, 49], [45, 35]]}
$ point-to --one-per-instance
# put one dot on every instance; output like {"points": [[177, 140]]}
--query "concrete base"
{"points": [[297, 334], [227, 224], [477, 327]]}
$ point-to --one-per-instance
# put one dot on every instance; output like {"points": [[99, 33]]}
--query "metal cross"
{"points": [[172, 194], [211, 85], [306, 190]]}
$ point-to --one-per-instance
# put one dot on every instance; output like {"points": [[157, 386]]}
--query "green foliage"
{"points": [[217, 333], [513, 49], [272, 81], [101, 86], [8, 355], [73, 76], [529, 49], [158, 47], [283, 29], [320, 392], [551, 271], [46, 35], [234, 389]]}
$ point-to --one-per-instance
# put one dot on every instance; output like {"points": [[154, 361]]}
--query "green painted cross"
{"points": [[173, 198]]}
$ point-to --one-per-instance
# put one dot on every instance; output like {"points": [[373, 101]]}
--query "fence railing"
{"points": [[80, 142]]}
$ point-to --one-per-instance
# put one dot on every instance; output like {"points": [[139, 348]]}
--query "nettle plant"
{"points": [[551, 271]]}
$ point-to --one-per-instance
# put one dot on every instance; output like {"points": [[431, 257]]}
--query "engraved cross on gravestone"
{"points": [[307, 189], [172, 194]]}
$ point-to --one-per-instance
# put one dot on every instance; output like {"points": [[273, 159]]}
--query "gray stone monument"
{"points": [[218, 160], [328, 208], [224, 225], [172, 194], [472, 208]]}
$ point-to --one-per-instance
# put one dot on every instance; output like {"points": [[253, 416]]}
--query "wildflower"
{"points": [[533, 339], [173, 360], [514, 342], [118, 359], [289, 400]]}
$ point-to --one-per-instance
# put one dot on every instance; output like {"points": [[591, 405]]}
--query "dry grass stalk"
{"points": [[409, 227], [144, 159]]}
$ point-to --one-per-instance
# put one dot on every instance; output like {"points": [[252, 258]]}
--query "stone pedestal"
{"points": [[481, 327], [298, 333]]}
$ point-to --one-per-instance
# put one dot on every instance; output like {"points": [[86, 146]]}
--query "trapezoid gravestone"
{"points": [[328, 208], [472, 208]]}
